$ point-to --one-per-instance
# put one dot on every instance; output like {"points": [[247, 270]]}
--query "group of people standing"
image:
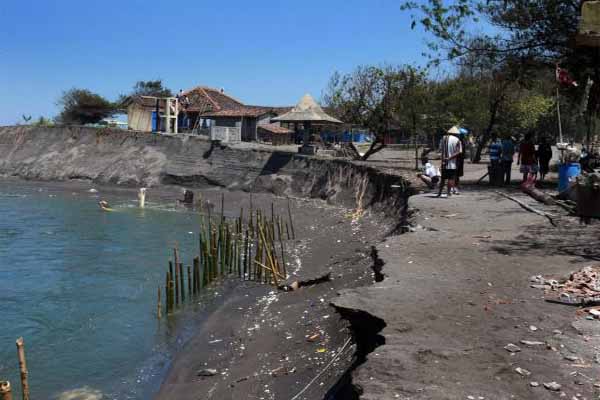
{"points": [[501, 152], [531, 160]]}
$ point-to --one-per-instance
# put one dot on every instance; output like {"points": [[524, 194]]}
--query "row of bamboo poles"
{"points": [[5, 388], [250, 248]]}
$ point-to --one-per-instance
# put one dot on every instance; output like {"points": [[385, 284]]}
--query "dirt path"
{"points": [[457, 291]]}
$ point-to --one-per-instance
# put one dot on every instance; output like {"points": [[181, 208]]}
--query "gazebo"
{"points": [[307, 112]]}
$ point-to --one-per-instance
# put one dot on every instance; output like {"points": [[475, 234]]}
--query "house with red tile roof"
{"points": [[206, 111]]}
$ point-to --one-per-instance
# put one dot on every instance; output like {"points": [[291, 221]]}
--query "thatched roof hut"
{"points": [[307, 111]]}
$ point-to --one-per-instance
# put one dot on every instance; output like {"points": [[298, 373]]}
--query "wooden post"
{"points": [[189, 281], [158, 306], [167, 293], [5, 391], [195, 277], [176, 284], [23, 367], [291, 221], [181, 282], [558, 113]]}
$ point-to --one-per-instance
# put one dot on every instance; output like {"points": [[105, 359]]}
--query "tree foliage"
{"points": [[377, 98], [536, 34], [81, 106], [153, 88]]}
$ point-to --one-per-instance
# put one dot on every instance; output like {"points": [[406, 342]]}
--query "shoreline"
{"points": [[348, 261]]}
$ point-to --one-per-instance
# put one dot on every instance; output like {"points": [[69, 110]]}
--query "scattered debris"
{"points": [[512, 348], [571, 358], [555, 387], [522, 371], [532, 343], [533, 328], [313, 338], [534, 384], [310, 282], [207, 372], [582, 288], [594, 312]]}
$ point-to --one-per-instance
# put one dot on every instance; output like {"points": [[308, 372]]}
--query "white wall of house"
{"points": [[139, 118]]}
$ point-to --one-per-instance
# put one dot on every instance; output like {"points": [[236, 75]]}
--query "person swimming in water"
{"points": [[104, 206]]}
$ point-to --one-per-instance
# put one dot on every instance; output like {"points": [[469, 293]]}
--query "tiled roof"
{"points": [[203, 99], [274, 128], [242, 111], [210, 102], [144, 101]]}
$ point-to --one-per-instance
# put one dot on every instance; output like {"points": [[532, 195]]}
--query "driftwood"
{"points": [[482, 178], [538, 195], [529, 208], [23, 368]]}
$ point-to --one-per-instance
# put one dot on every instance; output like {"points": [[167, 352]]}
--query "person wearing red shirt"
{"points": [[527, 158]]}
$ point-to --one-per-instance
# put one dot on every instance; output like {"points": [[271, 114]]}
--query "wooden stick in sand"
{"points": [[23, 367], [181, 283], [5, 390], [158, 306], [176, 284], [291, 221], [189, 271]]}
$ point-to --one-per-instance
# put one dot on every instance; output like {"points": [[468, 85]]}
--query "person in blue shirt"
{"points": [[507, 156], [495, 149]]}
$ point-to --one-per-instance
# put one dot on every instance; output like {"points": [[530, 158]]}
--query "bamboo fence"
{"points": [[250, 247]]}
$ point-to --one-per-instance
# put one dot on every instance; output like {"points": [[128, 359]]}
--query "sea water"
{"points": [[80, 286]]}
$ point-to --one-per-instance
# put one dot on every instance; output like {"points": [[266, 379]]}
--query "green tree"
{"points": [[81, 106], [151, 88], [378, 98], [537, 34]]}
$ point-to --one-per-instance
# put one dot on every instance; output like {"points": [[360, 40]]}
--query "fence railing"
{"points": [[226, 134]]}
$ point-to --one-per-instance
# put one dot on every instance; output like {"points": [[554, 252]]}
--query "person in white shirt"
{"points": [[430, 175], [450, 148]]}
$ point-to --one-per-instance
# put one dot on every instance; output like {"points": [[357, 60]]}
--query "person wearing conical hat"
{"points": [[451, 149]]}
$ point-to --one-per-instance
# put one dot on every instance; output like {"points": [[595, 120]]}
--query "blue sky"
{"points": [[267, 52]]}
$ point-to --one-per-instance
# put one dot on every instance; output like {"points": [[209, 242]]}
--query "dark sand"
{"points": [[258, 339]]}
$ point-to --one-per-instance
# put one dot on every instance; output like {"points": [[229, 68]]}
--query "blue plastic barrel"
{"points": [[154, 124], [566, 173]]}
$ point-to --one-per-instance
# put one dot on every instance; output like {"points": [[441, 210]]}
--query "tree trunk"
{"points": [[488, 132]]}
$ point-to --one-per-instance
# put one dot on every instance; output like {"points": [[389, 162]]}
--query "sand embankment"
{"points": [[142, 159]]}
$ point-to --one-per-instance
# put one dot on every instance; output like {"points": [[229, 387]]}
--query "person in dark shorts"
{"points": [[451, 149], [544, 155]]}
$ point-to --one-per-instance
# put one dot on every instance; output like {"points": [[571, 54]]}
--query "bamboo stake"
{"points": [[291, 220], [196, 280], [176, 284], [287, 228], [246, 249], [176, 255], [167, 293], [5, 390], [158, 306], [23, 367], [181, 283], [189, 276], [282, 248], [222, 207]]}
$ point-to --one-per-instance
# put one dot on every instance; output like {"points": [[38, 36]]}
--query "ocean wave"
{"points": [[84, 393]]}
